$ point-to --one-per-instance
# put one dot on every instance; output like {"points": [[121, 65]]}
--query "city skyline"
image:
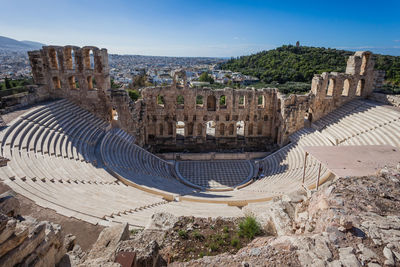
{"points": [[206, 29]]}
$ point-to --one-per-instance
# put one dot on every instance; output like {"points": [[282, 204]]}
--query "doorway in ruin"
{"points": [[114, 114], [360, 87], [210, 130], [240, 129], [180, 130], [308, 118], [211, 103]]}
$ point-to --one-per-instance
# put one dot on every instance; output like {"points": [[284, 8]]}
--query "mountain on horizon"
{"points": [[15, 45]]}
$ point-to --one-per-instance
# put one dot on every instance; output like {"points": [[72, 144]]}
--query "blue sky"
{"points": [[204, 28]]}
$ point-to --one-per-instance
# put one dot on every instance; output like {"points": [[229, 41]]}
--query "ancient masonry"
{"points": [[176, 117]]}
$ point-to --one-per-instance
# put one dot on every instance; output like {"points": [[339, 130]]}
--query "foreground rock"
{"points": [[26, 241]]}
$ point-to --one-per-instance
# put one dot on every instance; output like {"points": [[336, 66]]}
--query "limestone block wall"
{"points": [[227, 116], [328, 92], [177, 117]]}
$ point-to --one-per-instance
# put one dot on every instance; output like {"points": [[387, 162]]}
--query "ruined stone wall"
{"points": [[328, 92], [246, 118], [178, 118]]}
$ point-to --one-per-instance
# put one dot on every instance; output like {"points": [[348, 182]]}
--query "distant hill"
{"points": [[289, 63], [14, 45]]}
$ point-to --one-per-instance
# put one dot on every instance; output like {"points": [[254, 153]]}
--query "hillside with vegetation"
{"points": [[288, 65]]}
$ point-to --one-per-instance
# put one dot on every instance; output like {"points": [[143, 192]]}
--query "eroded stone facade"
{"points": [[177, 118]]}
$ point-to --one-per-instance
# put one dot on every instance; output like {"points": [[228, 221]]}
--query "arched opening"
{"points": [[211, 103], [240, 128], [53, 58], [88, 58], [180, 101], [114, 114], [180, 130], [89, 80], [250, 129], [210, 130], [199, 129], [231, 129], [222, 129], [199, 101], [56, 83], [364, 64], [68, 58], [73, 84], [260, 128], [170, 128], [190, 129], [160, 100], [161, 129], [241, 101], [308, 118], [346, 87], [222, 102], [261, 101], [360, 87], [330, 87]]}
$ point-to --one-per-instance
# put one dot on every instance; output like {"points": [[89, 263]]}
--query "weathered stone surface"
{"points": [[9, 205], [105, 246], [161, 221]]}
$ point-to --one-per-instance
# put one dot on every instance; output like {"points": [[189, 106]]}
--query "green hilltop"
{"points": [[288, 64]]}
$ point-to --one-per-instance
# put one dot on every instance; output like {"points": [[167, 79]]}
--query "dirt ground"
{"points": [[86, 233]]}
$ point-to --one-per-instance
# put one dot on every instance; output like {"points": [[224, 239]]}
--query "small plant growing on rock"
{"points": [[183, 234], [197, 235], [235, 242], [249, 227]]}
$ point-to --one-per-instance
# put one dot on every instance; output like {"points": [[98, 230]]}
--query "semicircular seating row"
{"points": [[358, 122], [54, 150], [52, 162]]}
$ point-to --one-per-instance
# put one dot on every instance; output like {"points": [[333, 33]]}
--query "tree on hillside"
{"points": [[205, 77], [7, 83]]}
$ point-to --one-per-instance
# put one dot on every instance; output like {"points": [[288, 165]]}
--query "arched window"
{"points": [[73, 84], [68, 59], [53, 58], [180, 101], [190, 129], [261, 101], [114, 114], [241, 101], [88, 58], [199, 101], [222, 129], [160, 100], [250, 129], [240, 128], [360, 87], [260, 128], [364, 64], [330, 87], [346, 87], [222, 102], [231, 129], [180, 129], [210, 130], [56, 83], [170, 128], [161, 129], [89, 80], [211, 103]]}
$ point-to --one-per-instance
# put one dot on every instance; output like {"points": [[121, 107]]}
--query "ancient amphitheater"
{"points": [[84, 149]]}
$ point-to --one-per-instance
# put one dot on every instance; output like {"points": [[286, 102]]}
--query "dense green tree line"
{"points": [[299, 64], [11, 84]]}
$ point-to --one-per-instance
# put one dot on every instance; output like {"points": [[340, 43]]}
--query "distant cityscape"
{"points": [[157, 70]]}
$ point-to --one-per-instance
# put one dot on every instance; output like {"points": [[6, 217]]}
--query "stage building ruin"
{"points": [[179, 118]]}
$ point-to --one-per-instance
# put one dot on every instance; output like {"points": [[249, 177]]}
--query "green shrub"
{"points": [[214, 247], [197, 235], [249, 227], [226, 229], [235, 242], [183, 234]]}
